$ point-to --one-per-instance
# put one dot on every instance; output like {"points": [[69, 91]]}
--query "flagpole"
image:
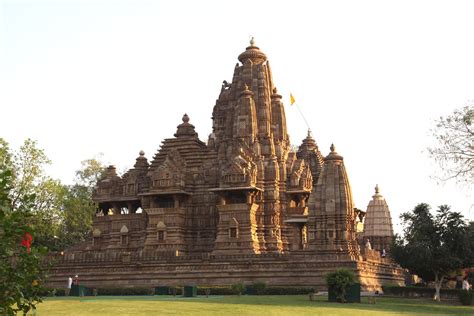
{"points": [[304, 119], [293, 102]]}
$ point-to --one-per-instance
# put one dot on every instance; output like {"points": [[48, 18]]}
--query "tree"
{"points": [[340, 281], [78, 207], [433, 246], [455, 149], [92, 170], [27, 167], [21, 271], [32, 187], [61, 214]]}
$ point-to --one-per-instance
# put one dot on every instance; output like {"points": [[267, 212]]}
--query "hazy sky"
{"points": [[115, 77]]}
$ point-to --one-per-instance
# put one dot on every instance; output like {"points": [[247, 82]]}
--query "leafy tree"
{"points": [[455, 149], [340, 281], [91, 171], [21, 272], [78, 207], [60, 214], [28, 175], [434, 246], [238, 288], [32, 187]]}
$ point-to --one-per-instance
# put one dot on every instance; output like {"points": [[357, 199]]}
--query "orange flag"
{"points": [[292, 99]]}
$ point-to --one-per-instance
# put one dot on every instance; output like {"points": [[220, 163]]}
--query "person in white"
{"points": [[465, 285], [367, 244], [69, 284]]}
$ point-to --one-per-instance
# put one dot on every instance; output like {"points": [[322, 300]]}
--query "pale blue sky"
{"points": [[84, 77]]}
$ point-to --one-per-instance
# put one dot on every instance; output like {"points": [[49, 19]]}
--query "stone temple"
{"points": [[241, 207]]}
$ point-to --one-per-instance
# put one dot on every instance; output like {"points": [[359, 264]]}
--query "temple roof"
{"points": [[185, 128], [333, 155], [333, 190], [309, 151], [378, 221], [253, 53], [141, 161]]}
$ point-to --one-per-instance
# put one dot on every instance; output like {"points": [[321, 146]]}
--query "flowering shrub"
{"points": [[22, 274]]}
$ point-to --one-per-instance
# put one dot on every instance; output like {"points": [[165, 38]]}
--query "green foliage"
{"points": [[465, 297], [339, 281], [22, 274], [28, 176], [31, 189], [294, 290], [257, 288], [78, 207], [418, 291], [91, 171], [433, 247], [61, 214], [124, 291], [238, 288], [215, 290]]}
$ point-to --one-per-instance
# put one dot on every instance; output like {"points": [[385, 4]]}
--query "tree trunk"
{"points": [[438, 283]]}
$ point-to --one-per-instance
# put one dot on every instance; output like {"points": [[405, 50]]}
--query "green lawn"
{"points": [[244, 305]]}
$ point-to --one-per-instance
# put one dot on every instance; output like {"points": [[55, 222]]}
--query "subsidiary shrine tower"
{"points": [[243, 207]]}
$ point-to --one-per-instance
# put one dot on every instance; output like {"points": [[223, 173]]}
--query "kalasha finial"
{"points": [[377, 190], [252, 41], [309, 133], [333, 148], [185, 118], [246, 88], [141, 153]]}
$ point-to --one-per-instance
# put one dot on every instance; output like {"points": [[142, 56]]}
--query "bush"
{"points": [[238, 288], [280, 290], [51, 292], [274, 290], [340, 281], [418, 291], [257, 288], [125, 291], [208, 290], [465, 297]]}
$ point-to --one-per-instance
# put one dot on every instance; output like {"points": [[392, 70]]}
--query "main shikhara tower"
{"points": [[242, 197]]}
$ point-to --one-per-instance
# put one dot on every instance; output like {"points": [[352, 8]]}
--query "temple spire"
{"points": [[378, 222]]}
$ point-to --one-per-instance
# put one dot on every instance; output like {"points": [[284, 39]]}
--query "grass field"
{"points": [[244, 305]]}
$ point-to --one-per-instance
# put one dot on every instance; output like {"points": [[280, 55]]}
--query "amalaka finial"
{"points": [[377, 190], [333, 148], [141, 153], [185, 118], [252, 41]]}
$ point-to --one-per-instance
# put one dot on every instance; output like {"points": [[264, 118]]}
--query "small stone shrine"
{"points": [[241, 207]]}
